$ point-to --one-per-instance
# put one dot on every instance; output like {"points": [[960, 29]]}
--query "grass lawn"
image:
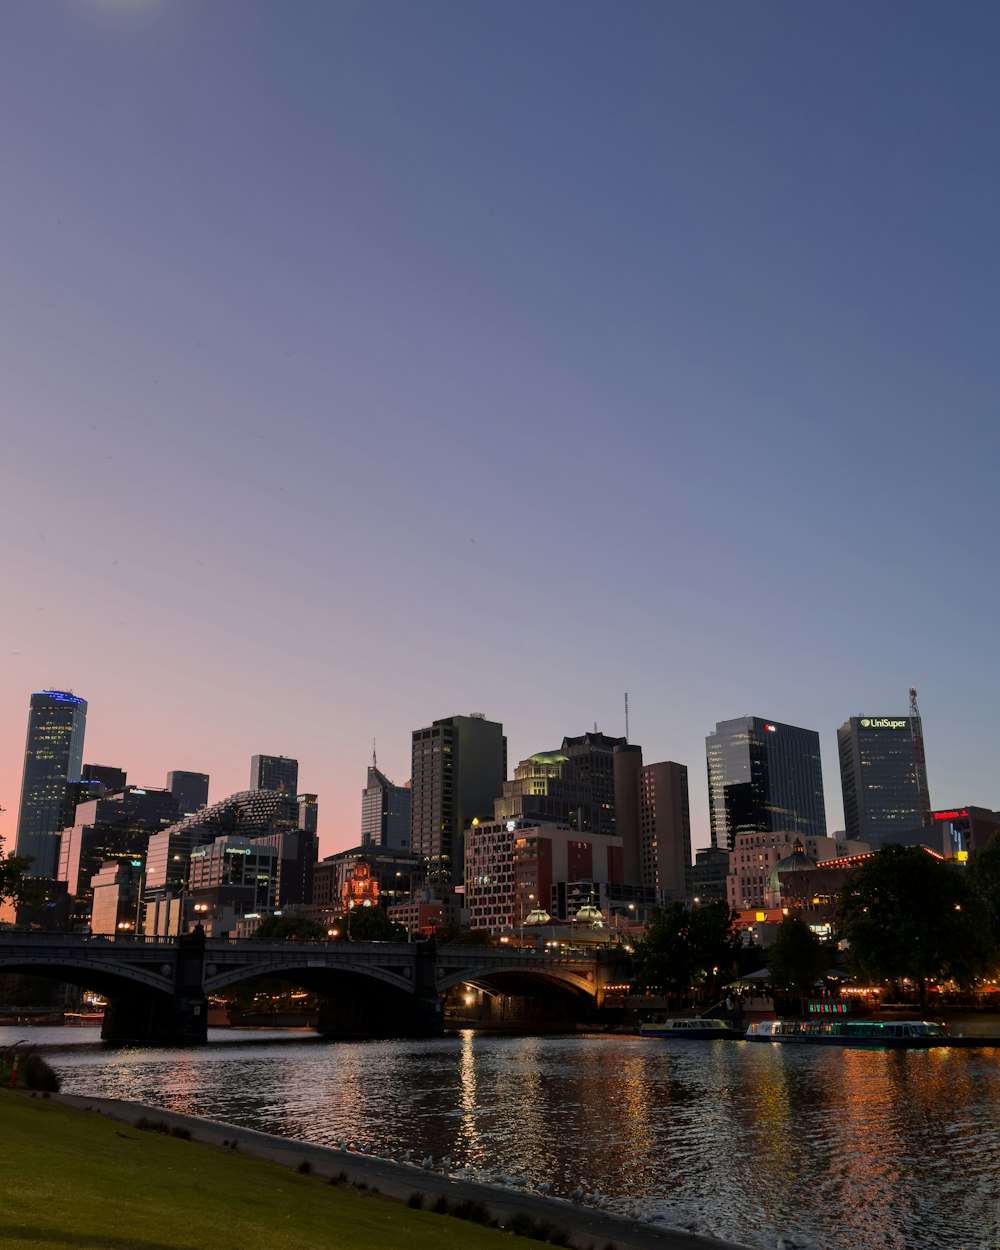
{"points": [[74, 1179]]}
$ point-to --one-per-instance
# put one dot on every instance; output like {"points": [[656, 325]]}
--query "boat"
{"points": [[873, 1034], [694, 1028]]}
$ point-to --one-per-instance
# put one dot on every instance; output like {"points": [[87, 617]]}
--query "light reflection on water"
{"points": [[839, 1149]]}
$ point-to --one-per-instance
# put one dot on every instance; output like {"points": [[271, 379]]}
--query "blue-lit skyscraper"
{"points": [[53, 756]]}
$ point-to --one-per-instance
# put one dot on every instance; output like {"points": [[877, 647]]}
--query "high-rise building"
{"points": [[53, 757], [665, 830], [189, 789], [459, 766], [385, 813], [881, 763], [764, 777], [274, 772], [593, 759]]}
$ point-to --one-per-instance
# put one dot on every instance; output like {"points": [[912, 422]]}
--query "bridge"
{"points": [[157, 989]]}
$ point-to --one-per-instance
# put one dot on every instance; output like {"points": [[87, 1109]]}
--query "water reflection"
{"points": [[844, 1150]]}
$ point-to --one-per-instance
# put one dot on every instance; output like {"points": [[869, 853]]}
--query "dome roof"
{"points": [[549, 757], [795, 862]]}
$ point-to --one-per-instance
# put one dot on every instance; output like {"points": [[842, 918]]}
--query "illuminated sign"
{"points": [[771, 729], [881, 722], [952, 815]]}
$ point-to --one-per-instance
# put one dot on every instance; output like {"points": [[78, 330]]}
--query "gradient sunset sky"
{"points": [[368, 363]]}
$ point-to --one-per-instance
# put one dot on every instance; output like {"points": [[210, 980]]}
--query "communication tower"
{"points": [[919, 759]]}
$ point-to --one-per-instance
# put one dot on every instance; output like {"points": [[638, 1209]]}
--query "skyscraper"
{"points": [[189, 789], [764, 777], [593, 758], [459, 766], [274, 772], [53, 757], [881, 762], [385, 813], [665, 829]]}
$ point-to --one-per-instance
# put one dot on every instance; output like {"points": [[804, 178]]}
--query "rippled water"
{"points": [[837, 1149]]}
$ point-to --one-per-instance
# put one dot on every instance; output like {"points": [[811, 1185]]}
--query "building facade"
{"points": [[764, 777], [512, 870], [459, 767], [53, 758], [117, 828], [881, 770], [755, 856], [665, 830]]}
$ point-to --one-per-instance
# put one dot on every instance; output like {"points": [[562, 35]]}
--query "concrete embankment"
{"points": [[586, 1226]]}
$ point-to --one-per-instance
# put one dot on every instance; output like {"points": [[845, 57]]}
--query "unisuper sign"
{"points": [[881, 722]]}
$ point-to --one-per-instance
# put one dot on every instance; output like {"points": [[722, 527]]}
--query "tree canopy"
{"points": [[288, 928], [686, 947], [907, 914], [369, 924], [796, 959], [13, 886], [984, 884]]}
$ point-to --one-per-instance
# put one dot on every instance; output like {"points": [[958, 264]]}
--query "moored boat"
{"points": [[897, 1034], [694, 1028]]}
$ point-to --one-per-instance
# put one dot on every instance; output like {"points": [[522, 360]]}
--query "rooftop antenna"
{"points": [[919, 759], [374, 760], [626, 716]]}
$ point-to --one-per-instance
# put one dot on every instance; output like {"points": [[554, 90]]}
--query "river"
{"points": [[834, 1149]]}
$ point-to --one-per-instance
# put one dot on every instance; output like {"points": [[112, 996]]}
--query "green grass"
{"points": [[74, 1180]]}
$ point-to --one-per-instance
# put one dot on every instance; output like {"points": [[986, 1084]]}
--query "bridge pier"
{"points": [[178, 1019]]}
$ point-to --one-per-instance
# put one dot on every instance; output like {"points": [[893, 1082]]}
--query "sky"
{"points": [[363, 364]]}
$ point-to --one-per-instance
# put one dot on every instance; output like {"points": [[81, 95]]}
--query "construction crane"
{"points": [[919, 759]]}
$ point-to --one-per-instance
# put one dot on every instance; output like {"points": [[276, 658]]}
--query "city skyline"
{"points": [[343, 830], [368, 366]]}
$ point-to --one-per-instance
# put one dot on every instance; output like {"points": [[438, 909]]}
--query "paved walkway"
{"points": [[586, 1226]]}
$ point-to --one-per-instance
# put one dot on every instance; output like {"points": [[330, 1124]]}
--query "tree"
{"points": [[369, 924], [13, 886], [289, 928], [796, 959], [685, 947], [906, 914], [984, 882]]}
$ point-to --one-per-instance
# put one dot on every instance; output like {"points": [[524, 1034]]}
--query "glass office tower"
{"points": [[881, 761], [764, 777], [53, 757]]}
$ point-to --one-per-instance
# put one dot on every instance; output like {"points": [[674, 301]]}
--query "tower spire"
{"points": [[919, 759], [374, 759]]}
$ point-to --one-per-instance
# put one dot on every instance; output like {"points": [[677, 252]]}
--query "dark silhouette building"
{"points": [[189, 789]]}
